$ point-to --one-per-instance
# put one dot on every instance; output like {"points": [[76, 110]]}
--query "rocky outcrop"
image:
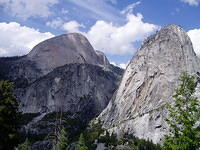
{"points": [[62, 74], [148, 84], [102, 59], [50, 54], [74, 88], [65, 49]]}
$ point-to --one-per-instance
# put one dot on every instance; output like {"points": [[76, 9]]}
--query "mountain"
{"points": [[50, 54], [65, 49], [74, 88], [148, 84], [62, 75]]}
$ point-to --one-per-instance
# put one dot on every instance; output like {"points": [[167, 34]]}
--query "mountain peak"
{"points": [[172, 26], [73, 36], [64, 49], [148, 84]]}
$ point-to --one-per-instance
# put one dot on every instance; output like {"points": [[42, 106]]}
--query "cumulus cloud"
{"points": [[192, 2], [18, 40], [28, 8], [72, 26], [195, 38], [122, 65], [130, 7], [119, 40], [56, 23]]}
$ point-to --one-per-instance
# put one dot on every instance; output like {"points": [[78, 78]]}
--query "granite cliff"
{"points": [[63, 74], [148, 84], [50, 54]]}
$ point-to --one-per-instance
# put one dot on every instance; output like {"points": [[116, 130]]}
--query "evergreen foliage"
{"points": [[95, 134], [25, 145], [63, 141], [183, 116], [92, 133], [134, 143], [9, 117], [81, 143]]}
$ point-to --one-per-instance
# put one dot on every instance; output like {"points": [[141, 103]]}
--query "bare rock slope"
{"points": [[63, 74], [50, 54], [65, 49], [148, 84], [83, 89]]}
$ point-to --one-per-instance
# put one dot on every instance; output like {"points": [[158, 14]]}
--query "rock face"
{"points": [[65, 49], [74, 88], [148, 84], [62, 74], [50, 54]]}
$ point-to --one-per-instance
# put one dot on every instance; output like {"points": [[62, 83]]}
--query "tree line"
{"points": [[183, 121]]}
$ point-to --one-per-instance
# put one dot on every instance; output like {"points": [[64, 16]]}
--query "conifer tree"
{"points": [[9, 117], [81, 143], [25, 145], [63, 141], [183, 116]]}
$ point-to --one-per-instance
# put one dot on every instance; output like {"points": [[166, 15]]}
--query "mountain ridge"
{"points": [[50, 54], [63, 74], [148, 84]]}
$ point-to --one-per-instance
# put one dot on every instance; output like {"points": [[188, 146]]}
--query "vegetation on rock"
{"points": [[81, 143], [94, 135], [183, 117], [63, 141], [25, 145]]}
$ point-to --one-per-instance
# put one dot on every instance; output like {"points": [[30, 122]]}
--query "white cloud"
{"points": [[119, 40], [130, 7], [195, 38], [56, 23], [192, 2], [122, 65], [28, 8], [72, 26], [113, 63], [19, 40]]}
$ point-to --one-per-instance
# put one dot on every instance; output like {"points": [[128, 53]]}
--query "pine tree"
{"points": [[63, 141], [183, 116], [25, 145], [9, 117], [81, 143]]}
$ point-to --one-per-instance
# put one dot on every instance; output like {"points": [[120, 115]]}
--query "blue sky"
{"points": [[116, 27]]}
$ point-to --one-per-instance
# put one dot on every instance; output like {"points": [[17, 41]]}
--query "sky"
{"points": [[115, 27]]}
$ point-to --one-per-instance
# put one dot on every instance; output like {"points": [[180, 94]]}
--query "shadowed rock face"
{"points": [[148, 84], [74, 88]]}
